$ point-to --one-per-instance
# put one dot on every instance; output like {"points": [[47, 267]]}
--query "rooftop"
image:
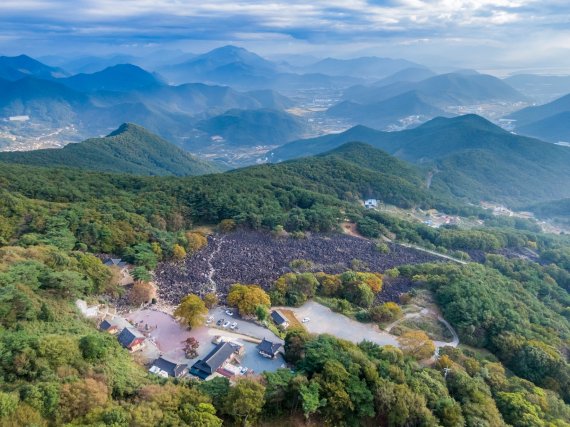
{"points": [[268, 347], [214, 360], [278, 318], [165, 367]]}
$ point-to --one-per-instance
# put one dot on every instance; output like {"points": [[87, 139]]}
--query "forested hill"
{"points": [[473, 157], [303, 194], [130, 149]]}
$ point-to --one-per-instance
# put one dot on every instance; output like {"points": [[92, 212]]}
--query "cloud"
{"points": [[277, 24]]}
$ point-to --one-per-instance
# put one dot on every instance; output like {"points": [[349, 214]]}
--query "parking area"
{"points": [[244, 327], [325, 321], [166, 336]]}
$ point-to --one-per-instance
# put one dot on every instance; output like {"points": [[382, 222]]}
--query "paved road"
{"points": [[325, 321]]}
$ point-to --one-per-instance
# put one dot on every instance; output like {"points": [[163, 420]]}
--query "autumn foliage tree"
{"points": [[247, 298], [79, 397], [178, 252], [417, 344], [210, 299], [386, 312], [191, 311], [140, 293], [196, 241]]}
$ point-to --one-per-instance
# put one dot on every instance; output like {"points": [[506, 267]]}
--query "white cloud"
{"points": [[414, 26]]}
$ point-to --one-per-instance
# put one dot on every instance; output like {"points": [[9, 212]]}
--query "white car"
{"points": [[233, 325], [210, 319], [226, 324], [306, 320], [229, 312]]}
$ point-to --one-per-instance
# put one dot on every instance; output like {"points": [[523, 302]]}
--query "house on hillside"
{"points": [[209, 365], [371, 204], [131, 339], [268, 349], [165, 368], [109, 327], [279, 319]]}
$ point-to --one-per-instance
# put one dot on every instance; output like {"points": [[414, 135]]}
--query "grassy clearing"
{"points": [[429, 324]]}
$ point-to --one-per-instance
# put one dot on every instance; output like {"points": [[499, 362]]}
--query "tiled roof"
{"points": [[215, 358], [127, 336], [278, 318], [268, 347], [171, 368]]}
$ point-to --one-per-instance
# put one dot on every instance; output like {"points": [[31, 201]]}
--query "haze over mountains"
{"points": [[468, 154], [235, 106], [129, 149]]}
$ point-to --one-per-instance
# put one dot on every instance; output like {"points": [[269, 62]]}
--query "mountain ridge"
{"points": [[129, 149]]}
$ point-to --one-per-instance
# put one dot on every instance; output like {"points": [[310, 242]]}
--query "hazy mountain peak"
{"points": [[466, 120], [16, 67], [120, 77]]}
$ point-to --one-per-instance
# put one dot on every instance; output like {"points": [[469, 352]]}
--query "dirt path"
{"points": [[428, 312], [423, 311]]}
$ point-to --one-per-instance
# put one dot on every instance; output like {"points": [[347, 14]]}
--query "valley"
{"points": [[224, 238]]}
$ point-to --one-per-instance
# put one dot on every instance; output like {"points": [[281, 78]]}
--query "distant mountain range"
{"points": [[413, 74], [97, 103], [441, 90], [550, 121], [406, 99], [238, 67], [129, 149], [368, 67], [252, 127], [118, 78], [539, 87], [389, 112], [468, 156], [17, 67]]}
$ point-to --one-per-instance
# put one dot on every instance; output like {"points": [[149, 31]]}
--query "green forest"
{"points": [[56, 369]]}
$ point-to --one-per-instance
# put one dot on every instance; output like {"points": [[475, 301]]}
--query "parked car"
{"points": [[219, 322], [229, 312], [306, 319], [233, 325], [210, 319], [226, 324]]}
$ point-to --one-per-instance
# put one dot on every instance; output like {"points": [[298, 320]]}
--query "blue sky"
{"points": [[472, 33]]}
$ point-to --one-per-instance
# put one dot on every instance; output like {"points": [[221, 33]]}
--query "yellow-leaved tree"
{"points": [[417, 344], [191, 311], [247, 298]]}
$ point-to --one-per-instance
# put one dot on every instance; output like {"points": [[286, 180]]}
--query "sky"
{"points": [[492, 34]]}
